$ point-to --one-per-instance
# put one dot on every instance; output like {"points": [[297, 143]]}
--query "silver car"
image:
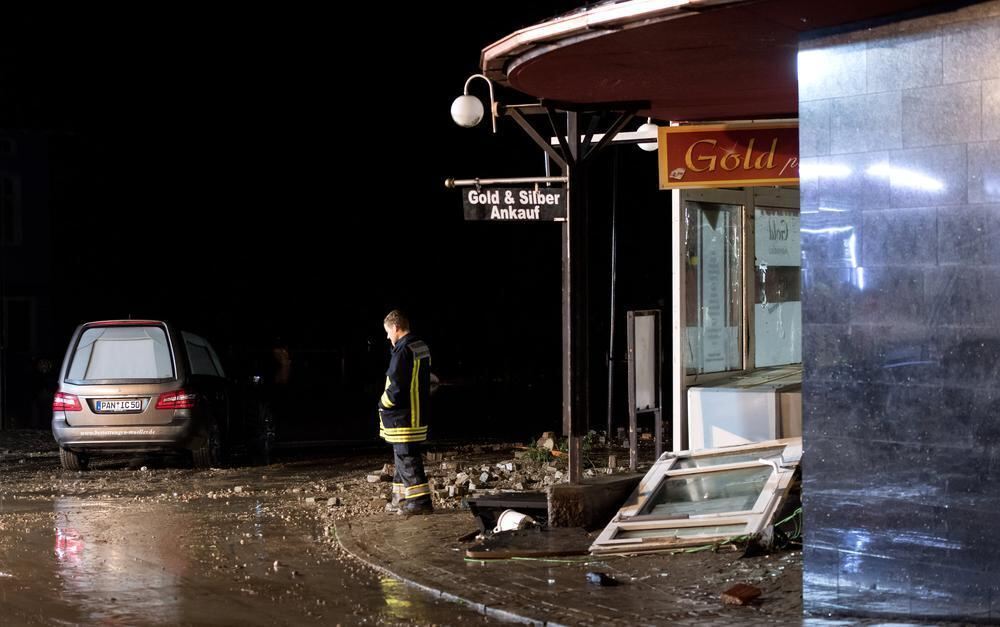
{"points": [[144, 386]]}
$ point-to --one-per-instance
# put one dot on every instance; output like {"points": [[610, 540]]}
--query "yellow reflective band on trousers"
{"points": [[415, 395], [385, 396], [414, 491], [402, 435], [398, 488]]}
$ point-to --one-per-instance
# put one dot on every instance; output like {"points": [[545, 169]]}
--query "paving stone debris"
{"points": [[740, 594]]}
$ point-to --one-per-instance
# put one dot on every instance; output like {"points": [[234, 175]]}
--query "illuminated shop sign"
{"points": [[728, 155]]}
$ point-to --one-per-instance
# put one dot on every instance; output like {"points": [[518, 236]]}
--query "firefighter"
{"points": [[403, 412]]}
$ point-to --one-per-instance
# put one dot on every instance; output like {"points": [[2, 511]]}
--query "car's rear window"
{"points": [[122, 354]]}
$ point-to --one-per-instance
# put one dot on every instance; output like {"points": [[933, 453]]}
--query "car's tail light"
{"points": [[178, 399], [66, 402]]}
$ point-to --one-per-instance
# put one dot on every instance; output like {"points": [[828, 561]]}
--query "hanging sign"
{"points": [[515, 204], [728, 155]]}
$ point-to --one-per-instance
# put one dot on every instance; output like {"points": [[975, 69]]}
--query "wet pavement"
{"points": [[652, 589], [171, 546]]}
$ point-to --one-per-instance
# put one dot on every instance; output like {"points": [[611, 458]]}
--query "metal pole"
{"points": [[658, 414], [614, 277], [452, 183], [633, 419], [576, 309]]}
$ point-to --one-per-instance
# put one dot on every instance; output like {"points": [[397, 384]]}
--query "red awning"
{"points": [[693, 60]]}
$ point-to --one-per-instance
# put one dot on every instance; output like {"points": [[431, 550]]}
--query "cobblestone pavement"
{"points": [[656, 589]]}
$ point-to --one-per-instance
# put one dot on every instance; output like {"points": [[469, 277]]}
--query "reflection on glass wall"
{"points": [[714, 287], [777, 293]]}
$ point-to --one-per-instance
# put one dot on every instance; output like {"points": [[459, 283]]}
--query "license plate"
{"points": [[118, 406]]}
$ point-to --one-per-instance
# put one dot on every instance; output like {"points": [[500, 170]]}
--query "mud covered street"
{"points": [[141, 541], [151, 541]]}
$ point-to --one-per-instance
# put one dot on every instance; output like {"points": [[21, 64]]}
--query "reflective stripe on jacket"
{"points": [[403, 406]]}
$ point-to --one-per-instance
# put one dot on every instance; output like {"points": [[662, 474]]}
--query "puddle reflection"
{"points": [[394, 593], [117, 569]]}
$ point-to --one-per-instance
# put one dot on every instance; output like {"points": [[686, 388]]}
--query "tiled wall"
{"points": [[900, 146]]}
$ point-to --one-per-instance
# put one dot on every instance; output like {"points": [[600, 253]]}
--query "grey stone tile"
{"points": [[964, 235], [826, 294], [991, 109], [949, 114], [904, 63], [831, 237], [968, 359], [819, 581], [949, 592], [992, 235], [830, 352], [814, 128], [832, 72], [963, 296], [866, 123], [844, 182], [891, 295], [926, 177], [984, 172], [971, 51], [899, 237]]}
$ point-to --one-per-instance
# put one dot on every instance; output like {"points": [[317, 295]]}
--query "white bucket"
{"points": [[510, 520]]}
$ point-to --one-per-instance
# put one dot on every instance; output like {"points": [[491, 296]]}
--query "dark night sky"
{"points": [[255, 173]]}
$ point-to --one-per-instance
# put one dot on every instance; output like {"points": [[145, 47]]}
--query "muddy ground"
{"points": [[145, 540]]}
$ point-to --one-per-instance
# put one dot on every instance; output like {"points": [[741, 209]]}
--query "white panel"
{"points": [[725, 417], [645, 362], [778, 333]]}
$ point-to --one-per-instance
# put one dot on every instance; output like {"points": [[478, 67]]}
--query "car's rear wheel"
{"points": [[73, 461], [209, 452]]}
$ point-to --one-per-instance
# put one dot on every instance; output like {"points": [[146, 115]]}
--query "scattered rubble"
{"points": [[740, 594], [453, 474]]}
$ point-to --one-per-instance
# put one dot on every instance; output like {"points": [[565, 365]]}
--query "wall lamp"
{"points": [[467, 110], [649, 127]]}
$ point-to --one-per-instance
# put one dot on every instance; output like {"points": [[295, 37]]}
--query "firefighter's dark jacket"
{"points": [[403, 407]]}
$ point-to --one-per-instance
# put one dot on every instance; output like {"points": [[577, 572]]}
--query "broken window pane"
{"points": [[710, 493]]}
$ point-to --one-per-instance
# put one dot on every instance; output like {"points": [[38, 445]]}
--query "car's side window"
{"points": [[215, 359], [203, 360]]}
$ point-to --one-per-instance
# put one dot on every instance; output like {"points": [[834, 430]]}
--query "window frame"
{"points": [[770, 500]]}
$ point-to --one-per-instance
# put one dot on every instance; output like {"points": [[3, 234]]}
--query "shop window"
{"points": [[777, 287], [704, 497], [714, 287]]}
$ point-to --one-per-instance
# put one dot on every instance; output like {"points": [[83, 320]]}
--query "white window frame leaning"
{"points": [[784, 464]]}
